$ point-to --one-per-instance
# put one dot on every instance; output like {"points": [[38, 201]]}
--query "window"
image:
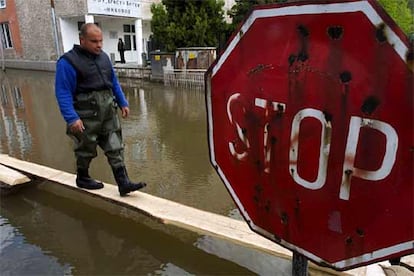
{"points": [[80, 23], [4, 99], [17, 97], [129, 37], [2, 4], [5, 36]]}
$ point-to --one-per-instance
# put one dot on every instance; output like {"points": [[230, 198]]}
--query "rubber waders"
{"points": [[83, 180], [124, 184]]}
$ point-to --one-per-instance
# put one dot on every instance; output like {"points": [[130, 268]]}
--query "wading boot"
{"points": [[124, 184], [83, 180]]}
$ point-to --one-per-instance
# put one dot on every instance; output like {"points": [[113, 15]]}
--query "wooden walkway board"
{"points": [[186, 217], [166, 211], [11, 177]]}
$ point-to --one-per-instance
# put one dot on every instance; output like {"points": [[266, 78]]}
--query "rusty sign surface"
{"points": [[310, 120]]}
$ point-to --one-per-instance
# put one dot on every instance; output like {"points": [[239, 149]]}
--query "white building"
{"points": [[126, 19]]}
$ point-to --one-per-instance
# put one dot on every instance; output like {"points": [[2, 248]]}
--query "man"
{"points": [[88, 94], [121, 50]]}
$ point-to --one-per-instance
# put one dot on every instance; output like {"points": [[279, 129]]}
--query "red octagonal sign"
{"points": [[310, 113]]}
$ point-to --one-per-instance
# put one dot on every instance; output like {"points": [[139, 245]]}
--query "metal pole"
{"points": [[299, 265], [3, 66], [55, 34], [138, 40]]}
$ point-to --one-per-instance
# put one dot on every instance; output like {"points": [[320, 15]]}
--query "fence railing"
{"points": [[190, 78]]}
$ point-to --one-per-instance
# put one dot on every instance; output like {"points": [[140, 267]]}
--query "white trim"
{"points": [[375, 254], [362, 6], [213, 157], [364, 258]]}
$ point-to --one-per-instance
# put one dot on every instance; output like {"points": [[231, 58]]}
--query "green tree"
{"points": [[402, 13], [242, 7], [400, 10], [190, 23], [159, 25]]}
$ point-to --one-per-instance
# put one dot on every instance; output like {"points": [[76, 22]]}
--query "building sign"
{"points": [[125, 8]]}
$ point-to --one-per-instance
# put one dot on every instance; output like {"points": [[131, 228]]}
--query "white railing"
{"points": [[190, 78]]}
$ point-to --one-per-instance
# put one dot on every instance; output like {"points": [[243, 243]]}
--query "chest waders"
{"points": [[98, 112]]}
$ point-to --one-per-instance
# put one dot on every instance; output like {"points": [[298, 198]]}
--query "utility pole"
{"points": [[299, 265], [54, 27], [3, 66]]}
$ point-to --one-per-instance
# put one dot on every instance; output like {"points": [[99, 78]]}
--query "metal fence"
{"points": [[189, 78]]}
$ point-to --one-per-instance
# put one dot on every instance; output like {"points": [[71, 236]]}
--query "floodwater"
{"points": [[165, 145]]}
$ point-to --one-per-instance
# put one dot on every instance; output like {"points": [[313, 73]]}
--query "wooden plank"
{"points": [[11, 177], [166, 211], [170, 212]]}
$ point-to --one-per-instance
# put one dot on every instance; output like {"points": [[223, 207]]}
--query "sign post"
{"points": [[299, 265], [310, 120]]}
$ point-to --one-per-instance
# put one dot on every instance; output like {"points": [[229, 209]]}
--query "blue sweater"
{"points": [[65, 89]]}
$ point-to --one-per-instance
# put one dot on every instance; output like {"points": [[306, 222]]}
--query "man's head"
{"points": [[90, 37]]}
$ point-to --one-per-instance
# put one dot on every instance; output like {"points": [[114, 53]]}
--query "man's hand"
{"points": [[125, 111], [77, 126]]}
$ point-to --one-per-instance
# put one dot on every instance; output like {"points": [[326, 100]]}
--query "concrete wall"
{"points": [[49, 66], [69, 8], [35, 22]]}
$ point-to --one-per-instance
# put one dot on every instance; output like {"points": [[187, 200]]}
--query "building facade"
{"points": [[35, 33], [11, 45], [42, 30]]}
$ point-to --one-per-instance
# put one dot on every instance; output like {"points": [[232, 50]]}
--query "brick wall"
{"points": [[8, 15]]}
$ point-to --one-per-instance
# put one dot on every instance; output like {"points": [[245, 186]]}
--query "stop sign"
{"points": [[310, 119]]}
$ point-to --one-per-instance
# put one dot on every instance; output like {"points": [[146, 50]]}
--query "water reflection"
{"points": [[44, 235], [21, 258], [12, 111], [165, 137], [31, 127], [165, 145]]}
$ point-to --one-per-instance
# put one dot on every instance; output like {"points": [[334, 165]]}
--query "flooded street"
{"points": [[165, 140]]}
